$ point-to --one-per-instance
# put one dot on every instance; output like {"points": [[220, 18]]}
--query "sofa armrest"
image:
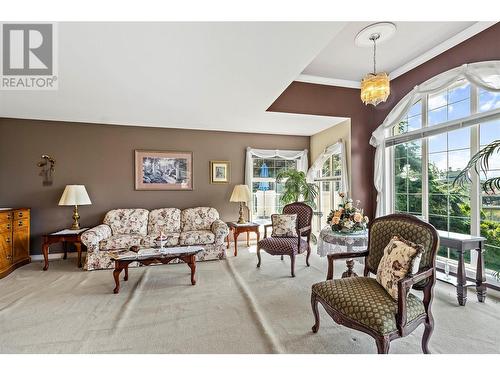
{"points": [[93, 236], [221, 230]]}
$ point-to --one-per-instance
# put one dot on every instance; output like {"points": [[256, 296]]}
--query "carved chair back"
{"points": [[304, 215], [409, 227]]}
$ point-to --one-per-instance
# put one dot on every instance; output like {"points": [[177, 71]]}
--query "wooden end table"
{"points": [[65, 236], [149, 256], [236, 229]]}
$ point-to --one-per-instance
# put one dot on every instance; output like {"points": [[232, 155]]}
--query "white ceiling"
{"points": [[341, 59], [217, 76], [213, 76]]}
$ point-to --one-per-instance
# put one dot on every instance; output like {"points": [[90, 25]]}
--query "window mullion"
{"points": [[425, 162], [475, 196]]}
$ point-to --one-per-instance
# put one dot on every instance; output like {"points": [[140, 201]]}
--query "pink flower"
{"points": [[358, 218], [336, 220]]}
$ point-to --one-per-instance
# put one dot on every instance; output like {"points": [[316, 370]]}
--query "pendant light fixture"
{"points": [[375, 87]]}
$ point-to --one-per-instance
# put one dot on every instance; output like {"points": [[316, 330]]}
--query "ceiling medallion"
{"points": [[375, 87]]}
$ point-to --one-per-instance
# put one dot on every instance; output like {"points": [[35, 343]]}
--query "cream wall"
{"points": [[321, 140]]}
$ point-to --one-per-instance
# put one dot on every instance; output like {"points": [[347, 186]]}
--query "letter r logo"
{"points": [[27, 49]]}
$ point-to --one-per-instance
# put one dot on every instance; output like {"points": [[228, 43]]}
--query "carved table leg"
{"points": [[235, 235], [65, 248], [227, 238], [248, 238], [78, 246], [192, 265], [480, 275], [126, 273], [45, 251], [116, 274], [461, 280], [329, 275], [349, 273]]}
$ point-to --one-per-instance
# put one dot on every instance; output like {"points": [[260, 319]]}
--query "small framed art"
{"points": [[220, 172]]}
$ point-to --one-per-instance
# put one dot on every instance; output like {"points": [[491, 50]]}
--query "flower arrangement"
{"points": [[348, 217]]}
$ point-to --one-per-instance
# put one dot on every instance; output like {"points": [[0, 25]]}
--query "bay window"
{"points": [[432, 141]]}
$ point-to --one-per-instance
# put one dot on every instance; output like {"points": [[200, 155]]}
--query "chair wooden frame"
{"points": [[403, 327]]}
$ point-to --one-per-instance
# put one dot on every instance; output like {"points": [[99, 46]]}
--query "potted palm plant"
{"points": [[297, 189]]}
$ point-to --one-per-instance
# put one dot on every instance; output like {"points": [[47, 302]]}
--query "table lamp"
{"points": [[241, 194], [75, 195]]}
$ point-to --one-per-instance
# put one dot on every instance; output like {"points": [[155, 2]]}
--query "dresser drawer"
{"points": [[5, 226], [21, 214], [5, 216], [21, 223]]}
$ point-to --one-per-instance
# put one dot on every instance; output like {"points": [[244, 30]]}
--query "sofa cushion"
{"points": [[120, 241], [197, 237], [128, 221], [171, 239], [164, 220], [198, 218]]}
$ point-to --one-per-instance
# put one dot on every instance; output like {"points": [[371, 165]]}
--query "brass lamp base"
{"points": [[76, 216], [241, 220]]}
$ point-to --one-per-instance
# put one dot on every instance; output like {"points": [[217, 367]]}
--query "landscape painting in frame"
{"points": [[163, 170]]}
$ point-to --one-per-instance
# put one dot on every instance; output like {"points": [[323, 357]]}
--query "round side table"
{"points": [[335, 245]]}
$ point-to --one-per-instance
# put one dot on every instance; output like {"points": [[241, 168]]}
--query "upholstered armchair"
{"points": [[363, 304], [290, 246]]}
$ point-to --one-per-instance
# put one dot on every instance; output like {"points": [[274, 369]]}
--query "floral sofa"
{"points": [[123, 228]]}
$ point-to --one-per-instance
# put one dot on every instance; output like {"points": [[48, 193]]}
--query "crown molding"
{"points": [[440, 48], [328, 81], [424, 57]]}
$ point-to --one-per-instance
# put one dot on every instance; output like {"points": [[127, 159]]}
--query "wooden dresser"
{"points": [[14, 239]]}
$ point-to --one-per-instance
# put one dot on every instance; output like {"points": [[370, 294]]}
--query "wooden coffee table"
{"points": [[149, 256]]}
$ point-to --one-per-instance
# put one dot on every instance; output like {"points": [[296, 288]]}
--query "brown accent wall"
{"points": [[316, 99], [101, 157], [310, 98]]}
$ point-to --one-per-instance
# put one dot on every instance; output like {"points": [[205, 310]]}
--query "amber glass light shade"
{"points": [[375, 88]]}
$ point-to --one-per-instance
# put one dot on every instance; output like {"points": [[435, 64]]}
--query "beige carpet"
{"points": [[234, 308]]}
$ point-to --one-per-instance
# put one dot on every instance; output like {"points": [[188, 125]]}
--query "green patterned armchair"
{"points": [[363, 304]]}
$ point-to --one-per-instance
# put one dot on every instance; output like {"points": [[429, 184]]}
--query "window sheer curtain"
{"points": [[485, 75], [337, 148], [300, 156]]}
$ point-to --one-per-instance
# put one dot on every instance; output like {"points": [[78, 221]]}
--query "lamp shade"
{"points": [[74, 195], [241, 193]]}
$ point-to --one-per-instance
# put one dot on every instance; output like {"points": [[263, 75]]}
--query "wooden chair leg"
{"points": [[258, 256], [308, 255], [429, 322], [383, 344], [429, 327], [314, 305], [292, 261]]}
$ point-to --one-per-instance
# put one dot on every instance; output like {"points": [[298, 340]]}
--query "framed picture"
{"points": [[219, 172], [163, 170]]}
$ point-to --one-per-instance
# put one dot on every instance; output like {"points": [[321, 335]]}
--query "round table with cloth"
{"points": [[336, 245]]}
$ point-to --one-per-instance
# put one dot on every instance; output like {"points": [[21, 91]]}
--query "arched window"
{"points": [[428, 138]]}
